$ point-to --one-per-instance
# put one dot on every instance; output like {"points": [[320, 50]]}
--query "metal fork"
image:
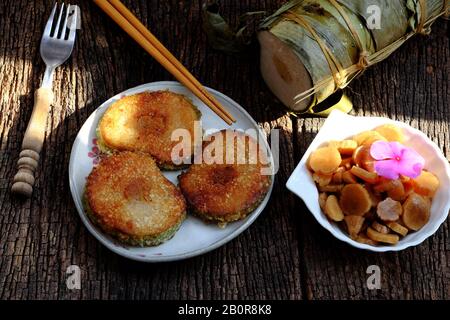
{"points": [[56, 47]]}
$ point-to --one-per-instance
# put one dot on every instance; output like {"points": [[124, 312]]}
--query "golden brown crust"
{"points": [[226, 192], [127, 194], [145, 122]]}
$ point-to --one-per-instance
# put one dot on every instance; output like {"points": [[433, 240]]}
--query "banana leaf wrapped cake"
{"points": [[312, 48]]}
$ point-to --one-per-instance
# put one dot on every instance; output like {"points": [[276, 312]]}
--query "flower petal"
{"points": [[381, 150], [411, 163], [387, 168], [397, 148], [412, 156]]}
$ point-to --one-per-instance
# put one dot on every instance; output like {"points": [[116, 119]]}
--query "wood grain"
{"points": [[285, 254]]}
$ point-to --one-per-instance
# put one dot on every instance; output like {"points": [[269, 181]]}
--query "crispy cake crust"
{"points": [[145, 122], [129, 198], [225, 192]]}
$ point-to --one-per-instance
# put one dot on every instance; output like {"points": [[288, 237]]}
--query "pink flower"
{"points": [[95, 153], [394, 159]]}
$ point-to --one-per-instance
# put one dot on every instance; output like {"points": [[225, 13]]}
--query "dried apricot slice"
{"points": [[380, 237], [375, 198], [389, 210], [332, 188], [426, 184], [362, 158], [416, 211], [348, 177], [325, 160], [345, 147], [397, 190], [322, 200], [346, 163], [354, 224], [408, 186], [381, 228], [394, 188], [383, 185], [368, 137], [362, 238], [355, 200], [322, 179], [369, 177], [391, 132], [332, 209], [398, 228], [337, 176]]}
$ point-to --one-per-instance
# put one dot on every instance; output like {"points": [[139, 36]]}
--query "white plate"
{"points": [[340, 126], [194, 237]]}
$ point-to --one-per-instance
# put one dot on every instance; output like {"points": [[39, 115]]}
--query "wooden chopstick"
{"points": [[165, 52], [146, 40]]}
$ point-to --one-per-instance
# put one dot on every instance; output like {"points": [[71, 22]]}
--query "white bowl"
{"points": [[340, 126]]}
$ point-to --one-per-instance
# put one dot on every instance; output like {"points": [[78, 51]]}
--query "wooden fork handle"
{"points": [[32, 143]]}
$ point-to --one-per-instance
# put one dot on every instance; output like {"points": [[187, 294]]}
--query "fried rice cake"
{"points": [[129, 198], [227, 190], [145, 122]]}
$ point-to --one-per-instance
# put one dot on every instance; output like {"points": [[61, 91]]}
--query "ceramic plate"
{"points": [[340, 126], [194, 237]]}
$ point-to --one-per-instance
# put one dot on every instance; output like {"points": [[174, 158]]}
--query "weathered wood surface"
{"points": [[285, 254]]}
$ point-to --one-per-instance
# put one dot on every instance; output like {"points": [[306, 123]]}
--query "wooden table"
{"points": [[285, 254]]}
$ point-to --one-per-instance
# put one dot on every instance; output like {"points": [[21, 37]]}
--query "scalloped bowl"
{"points": [[340, 126]]}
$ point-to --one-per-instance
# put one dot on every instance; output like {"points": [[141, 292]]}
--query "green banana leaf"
{"points": [[220, 35]]}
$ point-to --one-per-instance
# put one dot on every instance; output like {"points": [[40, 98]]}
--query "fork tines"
{"points": [[62, 23]]}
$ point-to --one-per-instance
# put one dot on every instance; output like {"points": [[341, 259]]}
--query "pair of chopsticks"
{"points": [[117, 11]]}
